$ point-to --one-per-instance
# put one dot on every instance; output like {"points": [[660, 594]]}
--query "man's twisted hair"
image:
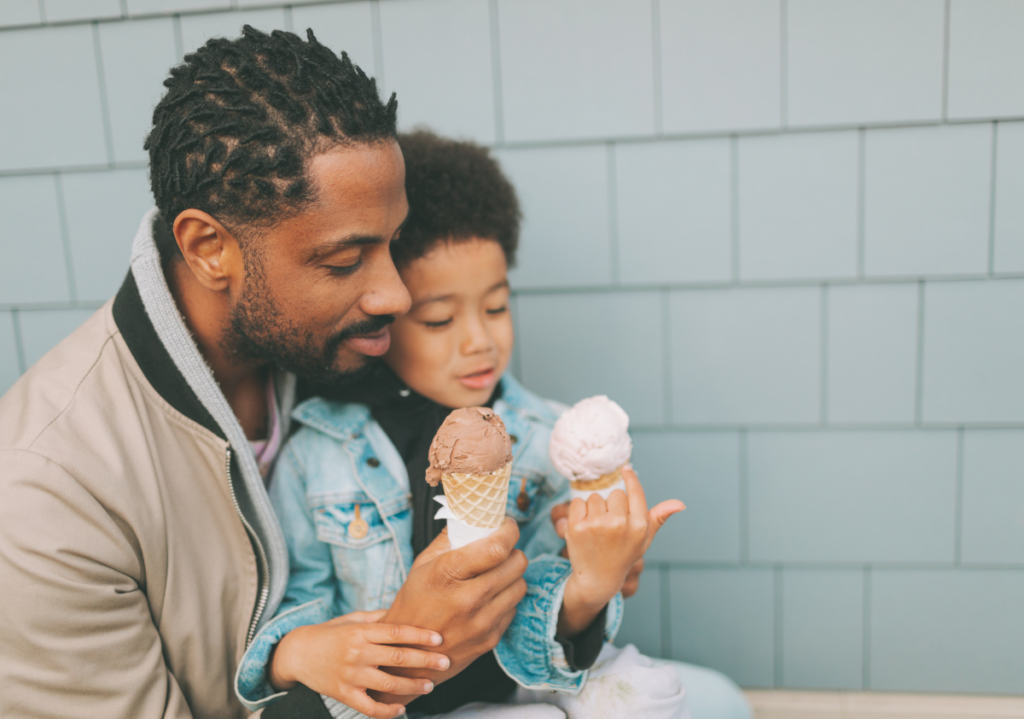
{"points": [[241, 119]]}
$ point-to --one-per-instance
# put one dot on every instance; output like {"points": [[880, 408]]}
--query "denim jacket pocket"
{"points": [[526, 491], [363, 548]]}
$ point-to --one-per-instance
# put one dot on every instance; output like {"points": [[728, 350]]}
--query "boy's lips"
{"points": [[479, 380], [373, 345]]}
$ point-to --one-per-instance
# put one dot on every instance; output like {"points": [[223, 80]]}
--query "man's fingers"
{"points": [[401, 634], [635, 492], [391, 684], [439, 546], [503, 576], [484, 554], [383, 655], [375, 710], [507, 600]]}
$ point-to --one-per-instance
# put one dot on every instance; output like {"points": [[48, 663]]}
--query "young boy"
{"points": [[349, 487]]}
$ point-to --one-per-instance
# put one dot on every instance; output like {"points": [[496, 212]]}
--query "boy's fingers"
{"points": [[560, 518], [662, 511], [596, 505], [392, 684], [383, 655], [561, 527], [635, 492], [364, 704], [401, 634], [359, 617], [577, 511], [618, 502]]}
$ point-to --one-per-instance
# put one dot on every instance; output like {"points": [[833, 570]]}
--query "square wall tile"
{"points": [[947, 631], [927, 200], [19, 12], [703, 470], [864, 61], [563, 193], [104, 210], [986, 58], [33, 269], [822, 629], [573, 346], [66, 10], [641, 620], [746, 356], [973, 352], [872, 353], [862, 496], [798, 206], [348, 27], [453, 93], [150, 7], [51, 111], [1009, 220], [10, 367], [574, 69], [724, 619], [137, 58], [674, 211], [42, 330], [197, 29], [720, 64], [993, 497]]}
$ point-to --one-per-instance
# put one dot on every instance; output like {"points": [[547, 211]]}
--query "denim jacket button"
{"points": [[513, 438], [373, 461]]}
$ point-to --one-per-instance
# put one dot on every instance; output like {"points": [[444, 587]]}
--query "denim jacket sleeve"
{"points": [[310, 597]]}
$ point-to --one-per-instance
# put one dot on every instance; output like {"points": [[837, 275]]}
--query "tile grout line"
{"points": [[992, 201], [179, 38], [289, 21], [666, 354], [19, 345], [42, 11], [378, 43], [124, 8], [823, 369], [108, 132], [498, 86], [665, 596], [779, 655], [919, 383], [517, 355], [741, 438], [783, 63], [659, 121], [613, 213], [866, 644], [958, 507], [945, 60], [734, 209], [65, 236], [861, 197]]}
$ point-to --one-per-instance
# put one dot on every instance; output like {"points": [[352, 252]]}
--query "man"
{"points": [[138, 551]]}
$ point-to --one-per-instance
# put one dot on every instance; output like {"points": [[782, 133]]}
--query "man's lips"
{"points": [[479, 380], [373, 345]]}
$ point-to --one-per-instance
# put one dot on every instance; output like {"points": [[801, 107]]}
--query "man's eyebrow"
{"points": [[329, 248]]}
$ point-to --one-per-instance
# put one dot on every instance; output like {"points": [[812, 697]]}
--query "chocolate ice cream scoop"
{"points": [[471, 440]]}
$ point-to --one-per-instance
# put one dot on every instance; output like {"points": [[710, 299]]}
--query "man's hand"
{"points": [[605, 541], [341, 658], [467, 595]]}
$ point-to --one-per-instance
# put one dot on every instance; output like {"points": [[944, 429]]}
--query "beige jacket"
{"points": [[129, 579]]}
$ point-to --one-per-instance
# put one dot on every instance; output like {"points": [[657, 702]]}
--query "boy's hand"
{"points": [[605, 540], [341, 658]]}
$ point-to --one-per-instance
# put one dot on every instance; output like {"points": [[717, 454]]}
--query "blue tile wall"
{"points": [[450, 93], [947, 631], [786, 235], [746, 356], [798, 206], [741, 39], [693, 242], [986, 59], [864, 496], [823, 628], [864, 61], [993, 497]]}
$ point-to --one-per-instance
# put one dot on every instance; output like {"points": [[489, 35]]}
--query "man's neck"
{"points": [[206, 314]]}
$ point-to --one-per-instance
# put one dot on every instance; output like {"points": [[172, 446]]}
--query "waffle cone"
{"points": [[479, 500], [594, 485]]}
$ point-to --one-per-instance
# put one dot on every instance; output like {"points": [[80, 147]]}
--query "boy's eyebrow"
{"points": [[443, 298]]}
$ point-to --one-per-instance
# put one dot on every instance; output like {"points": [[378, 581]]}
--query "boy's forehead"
{"points": [[456, 269]]}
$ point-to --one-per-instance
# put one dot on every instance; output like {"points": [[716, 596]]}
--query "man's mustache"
{"points": [[369, 326]]}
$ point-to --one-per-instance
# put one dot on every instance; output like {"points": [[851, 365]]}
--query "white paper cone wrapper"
{"points": [[459, 533], [605, 493]]}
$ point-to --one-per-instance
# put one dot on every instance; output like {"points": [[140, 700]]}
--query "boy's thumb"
{"points": [[661, 512]]}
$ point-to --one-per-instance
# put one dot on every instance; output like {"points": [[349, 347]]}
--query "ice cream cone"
{"points": [[479, 500]]}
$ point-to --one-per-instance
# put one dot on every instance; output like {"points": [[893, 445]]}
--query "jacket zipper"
{"points": [[261, 604]]}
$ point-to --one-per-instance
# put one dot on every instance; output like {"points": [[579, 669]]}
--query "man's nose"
{"points": [[386, 294]]}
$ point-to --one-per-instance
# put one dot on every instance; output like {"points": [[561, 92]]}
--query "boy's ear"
{"points": [[210, 250]]}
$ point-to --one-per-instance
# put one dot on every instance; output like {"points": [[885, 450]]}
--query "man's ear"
{"points": [[210, 250]]}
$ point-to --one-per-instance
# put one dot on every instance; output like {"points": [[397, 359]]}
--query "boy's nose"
{"points": [[477, 339]]}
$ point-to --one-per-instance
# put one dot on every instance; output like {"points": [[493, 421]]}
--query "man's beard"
{"points": [[258, 331]]}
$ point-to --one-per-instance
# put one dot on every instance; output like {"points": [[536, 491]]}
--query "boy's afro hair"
{"points": [[456, 192]]}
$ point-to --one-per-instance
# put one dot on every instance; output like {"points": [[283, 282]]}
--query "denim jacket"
{"points": [[340, 462]]}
